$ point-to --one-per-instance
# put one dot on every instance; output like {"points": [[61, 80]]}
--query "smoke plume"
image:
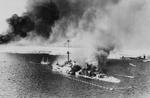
{"points": [[98, 26]]}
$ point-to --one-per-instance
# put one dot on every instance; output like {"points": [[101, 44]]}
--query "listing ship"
{"points": [[90, 72]]}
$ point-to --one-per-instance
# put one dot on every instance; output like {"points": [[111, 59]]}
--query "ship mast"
{"points": [[68, 53]]}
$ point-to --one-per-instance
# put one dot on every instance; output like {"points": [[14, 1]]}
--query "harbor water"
{"points": [[22, 76]]}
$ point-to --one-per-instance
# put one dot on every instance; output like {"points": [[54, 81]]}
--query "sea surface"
{"points": [[22, 76]]}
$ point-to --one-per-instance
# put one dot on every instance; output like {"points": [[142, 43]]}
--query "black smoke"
{"points": [[101, 56], [38, 20], [19, 26], [41, 16], [44, 16]]}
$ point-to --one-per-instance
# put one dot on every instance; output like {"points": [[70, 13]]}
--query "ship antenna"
{"points": [[68, 53]]}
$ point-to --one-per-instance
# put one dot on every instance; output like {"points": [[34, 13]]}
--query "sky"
{"points": [[7, 9], [128, 13]]}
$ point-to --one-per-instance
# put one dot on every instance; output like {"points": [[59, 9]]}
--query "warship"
{"points": [[90, 71]]}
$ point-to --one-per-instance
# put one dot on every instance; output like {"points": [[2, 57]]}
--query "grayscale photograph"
{"points": [[74, 48]]}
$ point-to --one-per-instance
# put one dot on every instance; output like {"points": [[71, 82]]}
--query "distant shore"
{"points": [[54, 50]]}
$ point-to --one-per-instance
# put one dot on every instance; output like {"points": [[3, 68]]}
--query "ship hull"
{"points": [[104, 78]]}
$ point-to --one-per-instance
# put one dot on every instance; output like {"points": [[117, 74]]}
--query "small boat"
{"points": [[46, 64], [43, 62]]}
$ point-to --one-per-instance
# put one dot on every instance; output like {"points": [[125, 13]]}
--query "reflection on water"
{"points": [[21, 79]]}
